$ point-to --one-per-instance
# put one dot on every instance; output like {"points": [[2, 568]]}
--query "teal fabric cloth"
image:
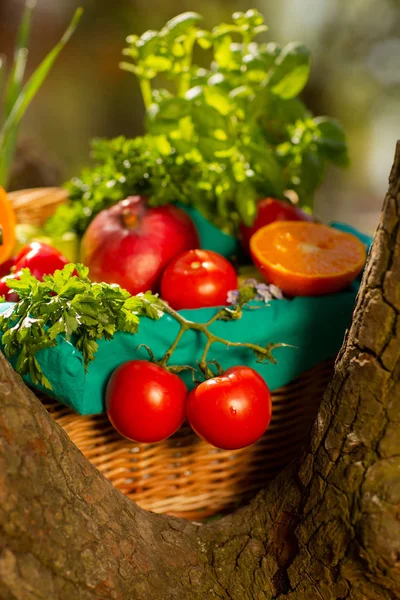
{"points": [[211, 238], [314, 326]]}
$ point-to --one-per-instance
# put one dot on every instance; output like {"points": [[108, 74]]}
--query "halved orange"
{"points": [[307, 259], [7, 227]]}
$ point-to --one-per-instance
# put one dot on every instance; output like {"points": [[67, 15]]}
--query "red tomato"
{"points": [[144, 402], [131, 244], [268, 211], [198, 278], [5, 267], [40, 258], [232, 410], [10, 295]]}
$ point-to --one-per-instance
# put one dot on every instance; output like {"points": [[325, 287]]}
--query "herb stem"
{"points": [[184, 80], [147, 94]]}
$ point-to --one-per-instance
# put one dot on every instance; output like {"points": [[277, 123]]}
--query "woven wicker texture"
{"points": [[184, 476]]}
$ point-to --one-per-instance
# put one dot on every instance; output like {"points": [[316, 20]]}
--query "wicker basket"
{"points": [[184, 476]]}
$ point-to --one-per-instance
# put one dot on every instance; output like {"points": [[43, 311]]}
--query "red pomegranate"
{"points": [[131, 244]]}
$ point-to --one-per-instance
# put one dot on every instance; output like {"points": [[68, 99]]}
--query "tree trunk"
{"points": [[328, 527]]}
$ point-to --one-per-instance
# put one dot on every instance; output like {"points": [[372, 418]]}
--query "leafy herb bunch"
{"points": [[67, 304], [218, 138]]}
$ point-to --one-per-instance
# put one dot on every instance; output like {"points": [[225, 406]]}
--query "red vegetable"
{"points": [[40, 258], [10, 295], [198, 278], [5, 267], [268, 211], [131, 244], [145, 402], [232, 410]]}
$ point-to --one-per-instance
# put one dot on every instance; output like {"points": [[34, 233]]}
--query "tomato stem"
{"points": [[262, 353], [171, 349]]}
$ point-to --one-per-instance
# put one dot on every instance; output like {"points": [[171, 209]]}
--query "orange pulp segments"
{"points": [[307, 259]]}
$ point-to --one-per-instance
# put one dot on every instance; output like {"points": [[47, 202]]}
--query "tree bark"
{"points": [[328, 527]]}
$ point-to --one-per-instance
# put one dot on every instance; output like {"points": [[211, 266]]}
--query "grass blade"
{"points": [[29, 91], [13, 90], [3, 62], [25, 27], [20, 56], [15, 80]]}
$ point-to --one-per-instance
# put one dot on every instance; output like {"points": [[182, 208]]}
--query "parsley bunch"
{"points": [[218, 138], [73, 307]]}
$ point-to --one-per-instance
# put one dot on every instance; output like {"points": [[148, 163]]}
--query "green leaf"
{"points": [[331, 140], [182, 23], [218, 99], [207, 119], [265, 164], [246, 202], [210, 147], [292, 69], [204, 39], [252, 17], [308, 177], [170, 109], [157, 63], [148, 44], [223, 30], [223, 52]]}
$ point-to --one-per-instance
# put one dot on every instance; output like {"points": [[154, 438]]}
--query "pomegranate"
{"points": [[131, 244]]}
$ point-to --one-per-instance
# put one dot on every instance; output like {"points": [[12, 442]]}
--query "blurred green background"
{"points": [[355, 77]]}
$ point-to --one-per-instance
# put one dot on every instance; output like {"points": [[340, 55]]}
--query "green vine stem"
{"points": [[262, 353]]}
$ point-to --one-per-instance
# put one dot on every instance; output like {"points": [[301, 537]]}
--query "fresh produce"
{"points": [[6, 266], [221, 137], [268, 211], [145, 402], [7, 227], [67, 244], [8, 294], [307, 259], [232, 410], [131, 244], [68, 305], [198, 278], [40, 259]]}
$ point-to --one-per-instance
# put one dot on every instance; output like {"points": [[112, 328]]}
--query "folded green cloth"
{"points": [[313, 325]]}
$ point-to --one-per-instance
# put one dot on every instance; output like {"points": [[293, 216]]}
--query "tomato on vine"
{"points": [[232, 410], [145, 403]]}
